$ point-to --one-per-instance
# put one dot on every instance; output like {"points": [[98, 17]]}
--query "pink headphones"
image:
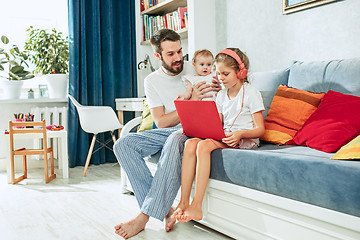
{"points": [[243, 71]]}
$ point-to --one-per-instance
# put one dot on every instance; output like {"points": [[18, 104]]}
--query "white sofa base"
{"points": [[247, 214]]}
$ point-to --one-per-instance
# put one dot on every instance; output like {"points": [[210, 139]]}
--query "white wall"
{"points": [[273, 40]]}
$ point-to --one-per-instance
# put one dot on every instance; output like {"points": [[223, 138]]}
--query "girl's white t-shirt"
{"points": [[162, 89], [230, 108]]}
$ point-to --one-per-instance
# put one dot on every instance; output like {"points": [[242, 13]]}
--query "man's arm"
{"points": [[163, 120], [201, 89]]}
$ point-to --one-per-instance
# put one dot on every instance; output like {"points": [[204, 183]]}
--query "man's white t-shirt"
{"points": [[230, 108], [162, 89]]}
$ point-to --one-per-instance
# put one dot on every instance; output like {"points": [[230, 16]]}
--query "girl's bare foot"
{"points": [[179, 210], [169, 221], [132, 227], [191, 213]]}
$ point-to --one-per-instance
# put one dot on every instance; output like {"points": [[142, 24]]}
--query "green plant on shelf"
{"points": [[12, 62], [48, 51]]}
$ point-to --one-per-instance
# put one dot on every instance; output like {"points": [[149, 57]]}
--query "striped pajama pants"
{"points": [[155, 195]]}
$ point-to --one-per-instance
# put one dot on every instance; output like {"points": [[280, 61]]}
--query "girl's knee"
{"points": [[191, 142], [205, 146]]}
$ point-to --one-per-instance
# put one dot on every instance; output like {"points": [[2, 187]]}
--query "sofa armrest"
{"points": [[130, 125]]}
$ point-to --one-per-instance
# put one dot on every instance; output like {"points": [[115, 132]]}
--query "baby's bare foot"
{"points": [[132, 227]]}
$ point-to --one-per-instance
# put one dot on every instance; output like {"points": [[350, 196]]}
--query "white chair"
{"points": [[96, 119]]}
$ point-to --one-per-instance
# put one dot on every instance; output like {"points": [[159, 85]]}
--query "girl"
{"points": [[240, 107]]}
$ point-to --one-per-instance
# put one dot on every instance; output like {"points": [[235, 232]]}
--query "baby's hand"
{"points": [[185, 96], [180, 98]]}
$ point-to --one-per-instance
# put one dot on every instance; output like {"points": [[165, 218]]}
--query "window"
{"points": [[18, 15]]}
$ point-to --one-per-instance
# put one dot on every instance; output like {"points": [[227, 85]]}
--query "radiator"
{"points": [[51, 115]]}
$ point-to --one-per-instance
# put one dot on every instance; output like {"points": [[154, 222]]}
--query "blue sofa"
{"points": [[285, 192]]}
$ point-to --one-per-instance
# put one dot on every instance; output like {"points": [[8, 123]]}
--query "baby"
{"points": [[202, 63]]}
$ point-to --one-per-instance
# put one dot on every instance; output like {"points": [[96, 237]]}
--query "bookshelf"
{"points": [[158, 11]]}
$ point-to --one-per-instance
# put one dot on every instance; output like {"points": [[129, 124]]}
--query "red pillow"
{"points": [[335, 123]]}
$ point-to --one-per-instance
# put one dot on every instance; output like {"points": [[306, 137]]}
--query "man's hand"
{"points": [[216, 86], [200, 90]]}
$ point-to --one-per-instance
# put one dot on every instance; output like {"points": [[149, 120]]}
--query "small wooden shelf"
{"points": [[165, 7], [183, 34]]}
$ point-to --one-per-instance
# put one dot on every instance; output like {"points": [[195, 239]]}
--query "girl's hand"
{"points": [[233, 139]]}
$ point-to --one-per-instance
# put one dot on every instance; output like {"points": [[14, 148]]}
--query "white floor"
{"points": [[78, 208]]}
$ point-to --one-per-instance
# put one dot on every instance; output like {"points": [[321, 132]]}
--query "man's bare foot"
{"points": [[179, 209], [191, 213], [132, 227], [169, 221]]}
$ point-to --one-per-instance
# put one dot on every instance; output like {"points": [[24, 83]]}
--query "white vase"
{"points": [[11, 89], [57, 85]]}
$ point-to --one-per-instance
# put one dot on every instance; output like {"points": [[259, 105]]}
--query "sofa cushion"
{"points": [[289, 110], [267, 83], [147, 123], [293, 172], [349, 151], [335, 123], [337, 75]]}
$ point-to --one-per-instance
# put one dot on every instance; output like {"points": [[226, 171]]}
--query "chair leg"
{"points": [[52, 163], [25, 166], [12, 169], [53, 175], [22, 177], [113, 138], [46, 168], [89, 154]]}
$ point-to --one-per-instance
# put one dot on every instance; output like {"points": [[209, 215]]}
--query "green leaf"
{"points": [[17, 69], [4, 39], [27, 77], [13, 62]]}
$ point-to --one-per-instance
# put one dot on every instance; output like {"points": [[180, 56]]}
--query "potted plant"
{"points": [[12, 69], [49, 52]]}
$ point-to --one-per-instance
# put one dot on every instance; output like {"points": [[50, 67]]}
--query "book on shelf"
{"points": [[142, 6], [182, 11], [146, 4], [175, 20]]}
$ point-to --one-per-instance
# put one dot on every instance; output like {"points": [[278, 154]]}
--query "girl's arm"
{"points": [[233, 138]]}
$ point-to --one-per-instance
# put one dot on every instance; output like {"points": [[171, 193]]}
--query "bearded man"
{"points": [[155, 195]]}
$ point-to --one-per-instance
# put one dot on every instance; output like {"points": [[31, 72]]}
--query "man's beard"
{"points": [[169, 68]]}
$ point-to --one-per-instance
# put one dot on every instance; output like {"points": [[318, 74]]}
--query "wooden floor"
{"points": [[78, 208]]}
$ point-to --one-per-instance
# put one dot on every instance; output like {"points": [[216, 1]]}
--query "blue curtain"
{"points": [[102, 65]]}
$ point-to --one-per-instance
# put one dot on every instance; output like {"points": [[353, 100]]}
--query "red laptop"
{"points": [[200, 119]]}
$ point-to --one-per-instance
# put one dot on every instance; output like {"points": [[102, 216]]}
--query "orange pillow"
{"points": [[288, 112]]}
